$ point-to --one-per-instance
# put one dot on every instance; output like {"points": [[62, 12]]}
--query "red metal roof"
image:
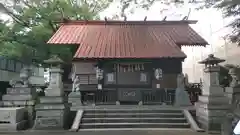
{"points": [[127, 39]]}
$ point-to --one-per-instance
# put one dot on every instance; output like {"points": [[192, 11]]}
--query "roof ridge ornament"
{"points": [[185, 18], [145, 19], [85, 20], [125, 18], [164, 19], [105, 18]]}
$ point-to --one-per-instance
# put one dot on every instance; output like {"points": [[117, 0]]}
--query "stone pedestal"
{"points": [[74, 98], [21, 97], [52, 112], [210, 111], [211, 108], [12, 118]]}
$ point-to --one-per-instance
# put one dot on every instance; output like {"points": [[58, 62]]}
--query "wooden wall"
{"points": [[171, 68], [86, 72], [168, 81]]}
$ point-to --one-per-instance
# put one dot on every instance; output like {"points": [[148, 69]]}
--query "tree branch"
{"points": [[14, 16]]}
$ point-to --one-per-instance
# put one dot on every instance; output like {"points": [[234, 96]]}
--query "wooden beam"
{"points": [[105, 18]]}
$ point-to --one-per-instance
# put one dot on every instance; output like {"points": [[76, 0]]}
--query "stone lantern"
{"points": [[212, 104], [53, 110]]}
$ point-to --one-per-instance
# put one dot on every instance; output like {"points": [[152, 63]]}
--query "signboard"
{"points": [[129, 95]]}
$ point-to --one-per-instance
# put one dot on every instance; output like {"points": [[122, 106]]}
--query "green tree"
{"points": [[34, 21]]}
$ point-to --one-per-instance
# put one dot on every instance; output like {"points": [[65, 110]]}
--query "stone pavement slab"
{"points": [[129, 132]]}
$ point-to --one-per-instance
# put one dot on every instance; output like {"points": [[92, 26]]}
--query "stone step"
{"points": [[133, 111], [133, 125], [17, 97], [18, 103], [133, 115], [134, 120]]}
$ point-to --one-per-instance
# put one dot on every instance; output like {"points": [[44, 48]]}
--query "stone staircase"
{"points": [[129, 118]]}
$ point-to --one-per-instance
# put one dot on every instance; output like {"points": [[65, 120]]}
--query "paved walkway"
{"points": [[149, 132]]}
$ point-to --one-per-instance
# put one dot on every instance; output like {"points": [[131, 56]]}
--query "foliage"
{"points": [[231, 8], [34, 21]]}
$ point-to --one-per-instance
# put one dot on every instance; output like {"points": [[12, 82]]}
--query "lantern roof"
{"points": [[54, 60], [211, 59]]}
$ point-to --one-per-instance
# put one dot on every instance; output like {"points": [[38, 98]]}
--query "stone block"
{"points": [[50, 113], [17, 97], [213, 90], [19, 103], [210, 113], [13, 126], [51, 106], [54, 92], [75, 104], [209, 125], [21, 91], [213, 99], [212, 106], [75, 95], [46, 99], [51, 119], [12, 114], [49, 123], [232, 90], [210, 116]]}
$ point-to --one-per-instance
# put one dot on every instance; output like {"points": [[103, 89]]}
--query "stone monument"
{"points": [[53, 109], [74, 98], [233, 92], [12, 118], [181, 95], [212, 105], [22, 94]]}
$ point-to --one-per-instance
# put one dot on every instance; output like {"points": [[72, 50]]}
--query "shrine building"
{"points": [[128, 62]]}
